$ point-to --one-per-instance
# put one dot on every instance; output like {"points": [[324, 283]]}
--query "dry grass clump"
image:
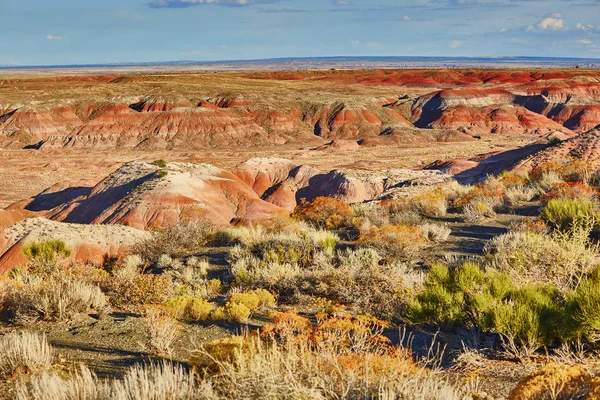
{"points": [[24, 352], [161, 381], [162, 331], [180, 240], [396, 241], [137, 288], [51, 386], [324, 212], [554, 382], [477, 211], [559, 258], [28, 298], [435, 233], [516, 195]]}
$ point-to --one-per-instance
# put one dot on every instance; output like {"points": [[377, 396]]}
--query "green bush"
{"points": [[565, 213], [159, 163], [470, 297], [583, 306], [47, 251]]}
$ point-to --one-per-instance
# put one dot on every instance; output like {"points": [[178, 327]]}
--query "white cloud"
{"points": [[584, 41], [406, 18], [503, 30], [456, 44], [355, 43], [584, 27], [555, 22], [54, 37]]}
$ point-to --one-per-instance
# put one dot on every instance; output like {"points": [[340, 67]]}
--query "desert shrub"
{"points": [[435, 232], [546, 182], [285, 248], [569, 169], [159, 163], [583, 307], [477, 211], [338, 358], [554, 381], [237, 311], [431, 203], [343, 281], [571, 190], [367, 214], [490, 193], [138, 289], [250, 271], [488, 301], [46, 252], [565, 213], [30, 298], [514, 179], [408, 217], [325, 212], [515, 195], [25, 352], [162, 331], [156, 381], [189, 308], [396, 241], [559, 258], [180, 240], [254, 299]]}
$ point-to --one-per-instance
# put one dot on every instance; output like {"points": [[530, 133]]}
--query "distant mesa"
{"points": [[375, 108]]}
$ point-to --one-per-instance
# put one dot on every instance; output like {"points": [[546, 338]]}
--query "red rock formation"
{"points": [[136, 195], [579, 118], [38, 123], [496, 120]]}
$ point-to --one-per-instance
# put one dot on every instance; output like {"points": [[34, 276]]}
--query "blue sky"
{"points": [[42, 32]]}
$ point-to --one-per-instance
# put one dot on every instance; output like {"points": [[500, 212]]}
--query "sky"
{"points": [[51, 32]]}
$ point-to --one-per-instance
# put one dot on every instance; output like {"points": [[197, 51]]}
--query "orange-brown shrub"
{"points": [[280, 221], [326, 212], [571, 190], [398, 241], [362, 333], [511, 179], [490, 192], [569, 169], [554, 381]]}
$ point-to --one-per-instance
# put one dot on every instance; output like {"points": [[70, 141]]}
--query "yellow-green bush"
{"points": [[237, 312], [191, 308], [253, 299], [47, 251], [565, 213]]}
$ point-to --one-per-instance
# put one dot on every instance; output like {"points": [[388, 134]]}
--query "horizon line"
{"points": [[280, 59]]}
